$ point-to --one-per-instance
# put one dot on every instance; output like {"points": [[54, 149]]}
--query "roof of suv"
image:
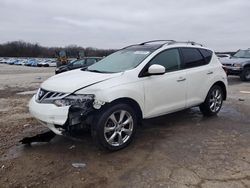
{"points": [[156, 44]]}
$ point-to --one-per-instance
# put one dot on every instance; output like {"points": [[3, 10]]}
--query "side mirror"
{"points": [[156, 70]]}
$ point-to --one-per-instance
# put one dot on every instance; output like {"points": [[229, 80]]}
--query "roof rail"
{"points": [[164, 42], [186, 42], [152, 41]]}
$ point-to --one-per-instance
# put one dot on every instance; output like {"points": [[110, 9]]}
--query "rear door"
{"points": [[165, 93], [196, 62]]}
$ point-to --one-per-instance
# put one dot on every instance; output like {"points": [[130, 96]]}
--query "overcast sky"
{"points": [[219, 24]]}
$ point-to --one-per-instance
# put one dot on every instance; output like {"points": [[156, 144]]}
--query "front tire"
{"points": [[213, 101], [245, 75], [115, 127]]}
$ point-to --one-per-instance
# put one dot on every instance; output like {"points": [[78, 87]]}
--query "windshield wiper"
{"points": [[97, 71], [94, 71]]}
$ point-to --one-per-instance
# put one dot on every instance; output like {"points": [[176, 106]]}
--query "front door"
{"points": [[165, 93]]}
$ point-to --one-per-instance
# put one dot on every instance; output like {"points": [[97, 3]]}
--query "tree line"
{"points": [[25, 49]]}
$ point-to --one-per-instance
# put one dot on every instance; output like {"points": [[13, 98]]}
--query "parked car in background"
{"points": [[81, 63], [52, 63], [238, 64], [30, 62], [20, 62], [220, 56], [35, 63], [2, 60], [13, 62], [44, 63], [138, 82], [5, 60], [17, 62]]}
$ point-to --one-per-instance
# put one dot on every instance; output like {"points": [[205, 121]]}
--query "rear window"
{"points": [[192, 57], [207, 54]]}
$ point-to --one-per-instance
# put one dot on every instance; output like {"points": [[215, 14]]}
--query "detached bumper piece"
{"points": [[78, 119], [44, 137]]}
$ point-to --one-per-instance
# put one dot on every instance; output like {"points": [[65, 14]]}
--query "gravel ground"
{"points": [[183, 149]]}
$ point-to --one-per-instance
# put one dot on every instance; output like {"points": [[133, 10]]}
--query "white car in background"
{"points": [[223, 56], [137, 82], [46, 63], [52, 63]]}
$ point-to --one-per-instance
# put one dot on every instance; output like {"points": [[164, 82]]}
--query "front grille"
{"points": [[43, 94]]}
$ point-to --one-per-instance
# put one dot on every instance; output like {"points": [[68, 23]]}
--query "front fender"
{"points": [[134, 91]]}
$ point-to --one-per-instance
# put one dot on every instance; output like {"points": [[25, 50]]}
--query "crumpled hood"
{"points": [[71, 81], [234, 60]]}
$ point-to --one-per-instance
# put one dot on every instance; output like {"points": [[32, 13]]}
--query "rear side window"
{"points": [[170, 59], [192, 57], [207, 54]]}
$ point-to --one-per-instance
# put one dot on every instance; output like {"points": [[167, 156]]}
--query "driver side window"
{"points": [[170, 59]]}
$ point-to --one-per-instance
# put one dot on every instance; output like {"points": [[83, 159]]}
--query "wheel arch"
{"points": [[131, 102], [247, 65], [223, 87]]}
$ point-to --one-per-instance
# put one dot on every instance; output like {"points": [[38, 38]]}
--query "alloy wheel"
{"points": [[118, 128], [215, 100]]}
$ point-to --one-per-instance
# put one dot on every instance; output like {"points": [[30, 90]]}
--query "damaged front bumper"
{"points": [[62, 120]]}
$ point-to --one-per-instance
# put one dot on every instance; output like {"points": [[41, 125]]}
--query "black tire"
{"points": [[102, 120], [245, 75], [206, 108]]}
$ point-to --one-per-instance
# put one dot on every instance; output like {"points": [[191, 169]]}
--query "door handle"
{"points": [[210, 72], [181, 79]]}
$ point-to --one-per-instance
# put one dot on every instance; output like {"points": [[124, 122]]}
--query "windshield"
{"points": [[79, 62], [120, 61], [76, 62], [242, 54], [72, 62]]}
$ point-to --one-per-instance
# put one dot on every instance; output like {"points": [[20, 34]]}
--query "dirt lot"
{"points": [[183, 149]]}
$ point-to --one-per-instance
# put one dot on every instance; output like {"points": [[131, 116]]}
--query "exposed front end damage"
{"points": [[79, 117], [64, 113]]}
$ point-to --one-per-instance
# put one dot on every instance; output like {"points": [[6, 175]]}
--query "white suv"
{"points": [[137, 82]]}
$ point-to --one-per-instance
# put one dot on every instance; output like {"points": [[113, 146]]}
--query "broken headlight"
{"points": [[76, 100]]}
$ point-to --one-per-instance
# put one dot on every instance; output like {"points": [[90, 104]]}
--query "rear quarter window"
{"points": [[192, 57], [207, 54]]}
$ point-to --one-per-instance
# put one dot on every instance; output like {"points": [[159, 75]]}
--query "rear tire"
{"points": [[245, 75], [114, 127], [213, 101]]}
